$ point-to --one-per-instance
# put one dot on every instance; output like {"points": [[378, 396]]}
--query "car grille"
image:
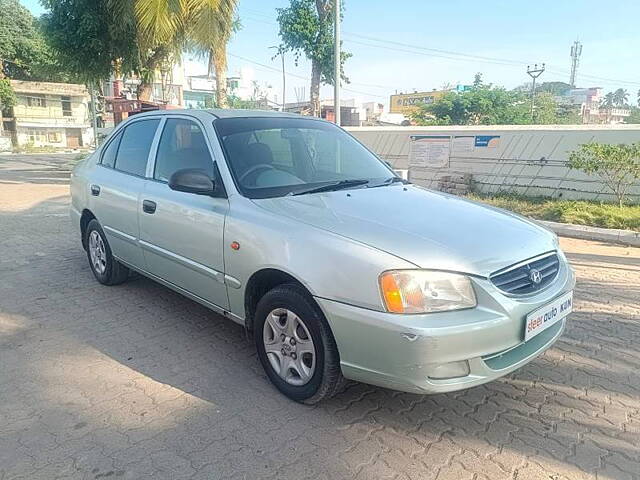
{"points": [[520, 279]]}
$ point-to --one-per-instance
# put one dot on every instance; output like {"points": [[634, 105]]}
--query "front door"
{"points": [[182, 238], [116, 187], [74, 137]]}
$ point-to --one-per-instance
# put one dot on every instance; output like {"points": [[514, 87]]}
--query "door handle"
{"points": [[148, 206], [95, 190]]}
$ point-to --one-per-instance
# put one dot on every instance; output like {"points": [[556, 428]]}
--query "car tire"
{"points": [[106, 269], [300, 310]]}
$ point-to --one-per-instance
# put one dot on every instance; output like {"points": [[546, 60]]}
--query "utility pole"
{"points": [[284, 81], [534, 73], [576, 51], [336, 78]]}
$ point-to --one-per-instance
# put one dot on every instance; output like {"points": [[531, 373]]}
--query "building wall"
{"points": [[528, 160], [48, 114]]}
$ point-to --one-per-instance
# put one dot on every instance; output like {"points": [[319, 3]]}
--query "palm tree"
{"points": [[166, 27], [620, 97], [210, 34], [609, 101]]}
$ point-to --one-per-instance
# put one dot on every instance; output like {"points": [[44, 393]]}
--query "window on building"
{"points": [[182, 145], [54, 137], [135, 145], [66, 106], [36, 100], [37, 135]]}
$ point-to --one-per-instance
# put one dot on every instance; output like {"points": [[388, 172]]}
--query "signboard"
{"points": [[429, 151], [489, 141], [407, 102], [463, 143]]}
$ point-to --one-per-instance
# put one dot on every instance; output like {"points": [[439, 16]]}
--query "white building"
{"points": [[50, 115]]}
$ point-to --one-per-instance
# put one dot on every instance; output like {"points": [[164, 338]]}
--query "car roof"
{"points": [[222, 113]]}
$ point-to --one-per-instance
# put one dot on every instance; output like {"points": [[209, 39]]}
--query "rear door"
{"points": [[116, 187], [182, 238]]}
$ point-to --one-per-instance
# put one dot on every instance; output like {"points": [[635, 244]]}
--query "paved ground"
{"points": [[137, 382]]}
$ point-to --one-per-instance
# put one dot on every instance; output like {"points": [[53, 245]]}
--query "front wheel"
{"points": [[296, 346]]}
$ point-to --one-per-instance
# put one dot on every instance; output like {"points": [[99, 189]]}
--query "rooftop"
{"points": [[71, 89]]}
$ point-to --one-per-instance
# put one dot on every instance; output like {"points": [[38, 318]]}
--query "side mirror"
{"points": [[192, 180]]}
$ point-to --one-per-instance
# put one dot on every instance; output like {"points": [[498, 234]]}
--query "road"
{"points": [[137, 382]]}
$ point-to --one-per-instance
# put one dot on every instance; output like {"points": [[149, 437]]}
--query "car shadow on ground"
{"points": [[140, 365]]}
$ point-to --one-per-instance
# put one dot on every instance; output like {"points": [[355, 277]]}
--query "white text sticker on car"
{"points": [[542, 318]]}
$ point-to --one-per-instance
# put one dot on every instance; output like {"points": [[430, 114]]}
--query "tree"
{"points": [[617, 165], [486, 105], [554, 88], [306, 29], [477, 80], [634, 117], [24, 54], [98, 37], [90, 38], [620, 97], [211, 34]]}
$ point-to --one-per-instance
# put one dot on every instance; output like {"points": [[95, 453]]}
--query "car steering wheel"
{"points": [[253, 169]]}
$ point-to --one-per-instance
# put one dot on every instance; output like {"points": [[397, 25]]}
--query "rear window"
{"points": [[135, 144]]}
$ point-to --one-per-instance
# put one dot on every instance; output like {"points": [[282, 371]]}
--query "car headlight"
{"points": [[425, 291]]}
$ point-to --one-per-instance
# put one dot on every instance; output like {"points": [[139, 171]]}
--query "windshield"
{"points": [[272, 157]]}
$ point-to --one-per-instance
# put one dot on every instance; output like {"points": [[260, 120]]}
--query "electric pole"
{"points": [[336, 52], [576, 51], [534, 73]]}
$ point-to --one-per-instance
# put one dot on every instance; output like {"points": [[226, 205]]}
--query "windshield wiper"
{"points": [[390, 181], [333, 186]]}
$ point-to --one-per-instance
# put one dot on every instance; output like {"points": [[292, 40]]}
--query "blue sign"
{"points": [[487, 140]]}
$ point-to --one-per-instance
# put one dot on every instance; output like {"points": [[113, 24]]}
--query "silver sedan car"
{"points": [[338, 267]]}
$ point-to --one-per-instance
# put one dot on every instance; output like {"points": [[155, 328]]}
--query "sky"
{"points": [[422, 45]]}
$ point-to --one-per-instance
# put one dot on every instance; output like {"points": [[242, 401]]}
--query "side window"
{"points": [[182, 145], [134, 147], [109, 155]]}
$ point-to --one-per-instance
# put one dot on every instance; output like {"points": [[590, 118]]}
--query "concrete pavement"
{"points": [[137, 382]]}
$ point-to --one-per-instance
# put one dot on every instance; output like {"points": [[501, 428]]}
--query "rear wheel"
{"points": [[105, 268], [296, 346]]}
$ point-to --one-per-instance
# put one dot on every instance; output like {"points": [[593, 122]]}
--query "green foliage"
{"points": [[580, 212], [25, 54], [90, 37], [7, 95], [617, 165], [486, 104], [306, 31], [554, 88], [634, 117]]}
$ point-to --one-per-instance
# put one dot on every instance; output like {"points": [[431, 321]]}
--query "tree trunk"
{"points": [[315, 88], [144, 91], [218, 63]]}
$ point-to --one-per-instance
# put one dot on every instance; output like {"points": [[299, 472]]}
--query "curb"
{"points": [[611, 235]]}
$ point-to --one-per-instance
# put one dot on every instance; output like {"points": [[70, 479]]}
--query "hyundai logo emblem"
{"points": [[535, 276]]}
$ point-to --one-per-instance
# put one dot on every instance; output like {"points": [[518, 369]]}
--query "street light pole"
{"points": [[336, 78], [535, 73]]}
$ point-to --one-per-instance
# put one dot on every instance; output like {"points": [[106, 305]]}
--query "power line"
{"points": [[269, 67], [451, 55]]}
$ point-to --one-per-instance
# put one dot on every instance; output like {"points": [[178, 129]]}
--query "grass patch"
{"points": [[578, 212]]}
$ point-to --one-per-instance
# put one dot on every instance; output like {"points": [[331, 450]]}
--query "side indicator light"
{"points": [[235, 245]]}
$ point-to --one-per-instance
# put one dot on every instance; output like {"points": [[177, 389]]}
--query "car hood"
{"points": [[427, 228]]}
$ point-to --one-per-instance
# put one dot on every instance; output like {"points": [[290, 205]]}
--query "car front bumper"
{"points": [[442, 352]]}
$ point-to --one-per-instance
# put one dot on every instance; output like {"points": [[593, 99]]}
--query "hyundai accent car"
{"points": [[339, 268]]}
